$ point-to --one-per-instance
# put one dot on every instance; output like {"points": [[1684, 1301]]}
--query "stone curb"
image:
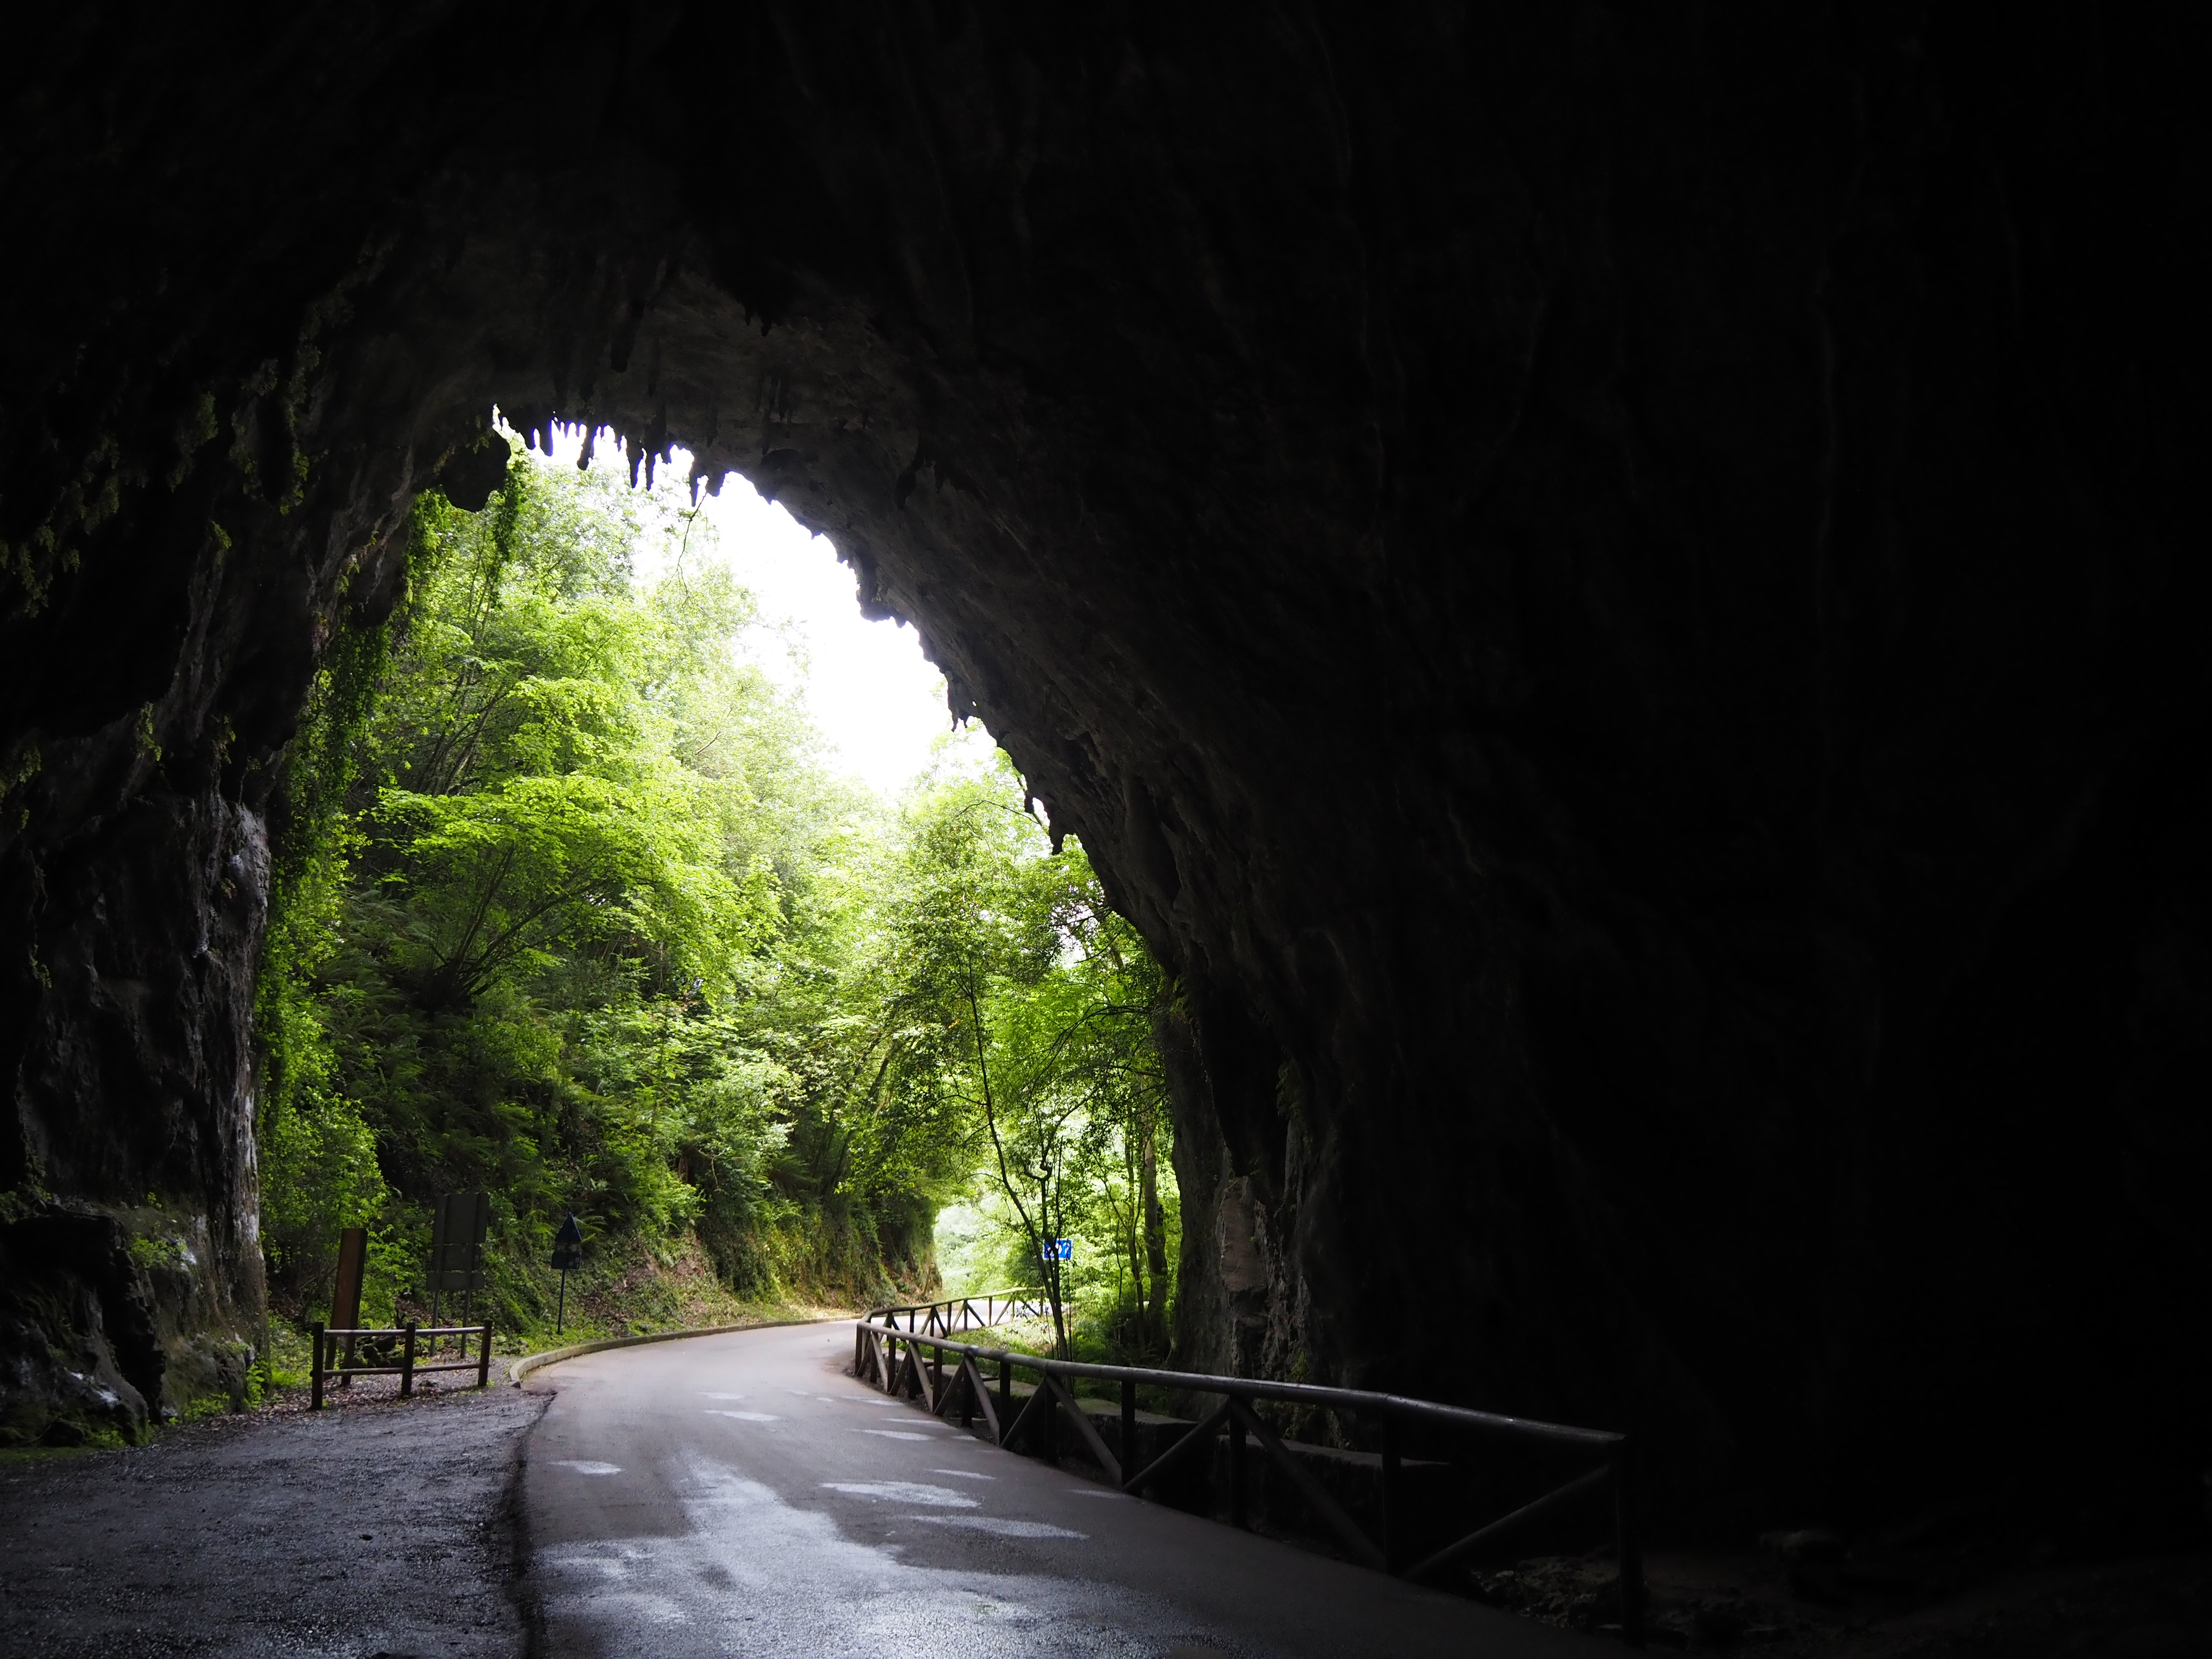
{"points": [[519, 1369]]}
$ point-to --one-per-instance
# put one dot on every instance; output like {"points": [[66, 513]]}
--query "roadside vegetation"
{"points": [[569, 906]]}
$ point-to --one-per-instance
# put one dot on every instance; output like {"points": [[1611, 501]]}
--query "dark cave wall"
{"points": [[151, 697], [1611, 589]]}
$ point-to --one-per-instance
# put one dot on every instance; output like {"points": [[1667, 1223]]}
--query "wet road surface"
{"points": [[739, 1494]]}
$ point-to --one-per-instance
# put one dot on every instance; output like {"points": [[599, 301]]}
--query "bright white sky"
{"points": [[872, 694]]}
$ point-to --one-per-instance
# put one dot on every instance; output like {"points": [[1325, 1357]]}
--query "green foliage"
{"points": [[1017, 1032], [316, 1156], [566, 908], [544, 842]]}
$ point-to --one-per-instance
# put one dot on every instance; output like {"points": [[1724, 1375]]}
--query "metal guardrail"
{"points": [[893, 1358], [326, 1352]]}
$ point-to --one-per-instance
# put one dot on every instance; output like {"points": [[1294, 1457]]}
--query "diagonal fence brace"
{"points": [[983, 1395], [1022, 1417], [1354, 1534], [1557, 1498], [1107, 1460], [1201, 1433]]}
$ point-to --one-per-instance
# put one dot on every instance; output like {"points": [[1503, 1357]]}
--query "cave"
{"points": [[1608, 586]]}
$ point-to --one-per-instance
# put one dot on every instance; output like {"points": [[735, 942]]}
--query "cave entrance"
{"points": [[875, 701], [626, 871], [1068, 1191]]}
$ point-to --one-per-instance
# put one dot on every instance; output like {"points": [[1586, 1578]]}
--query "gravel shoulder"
{"points": [[377, 1528]]}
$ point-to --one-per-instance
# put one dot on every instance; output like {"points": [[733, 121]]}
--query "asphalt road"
{"points": [[739, 1494], [372, 1529]]}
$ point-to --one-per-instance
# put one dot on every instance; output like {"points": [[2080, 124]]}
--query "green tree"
{"points": [[1016, 1026], [569, 910], [546, 942]]}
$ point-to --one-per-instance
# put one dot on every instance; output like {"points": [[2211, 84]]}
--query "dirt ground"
{"points": [[376, 1528]]}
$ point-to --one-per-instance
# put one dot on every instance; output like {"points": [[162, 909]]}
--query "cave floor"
{"points": [[375, 1528], [380, 1527], [1742, 1602]]}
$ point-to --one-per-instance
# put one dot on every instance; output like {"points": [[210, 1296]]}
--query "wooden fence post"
{"points": [[315, 1374], [1049, 1428], [484, 1358], [1236, 1474], [407, 1361], [1394, 1519], [1628, 1547]]}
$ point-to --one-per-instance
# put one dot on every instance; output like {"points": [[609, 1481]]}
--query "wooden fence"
{"points": [[921, 1360], [329, 1363]]}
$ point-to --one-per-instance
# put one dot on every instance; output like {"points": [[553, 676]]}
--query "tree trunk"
{"points": [[1155, 1241]]}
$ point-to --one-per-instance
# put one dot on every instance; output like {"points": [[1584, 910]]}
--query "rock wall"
{"points": [[1610, 587]]}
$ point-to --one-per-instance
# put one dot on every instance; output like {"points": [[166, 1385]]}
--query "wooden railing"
{"points": [[966, 1313], [328, 1362], [953, 1374]]}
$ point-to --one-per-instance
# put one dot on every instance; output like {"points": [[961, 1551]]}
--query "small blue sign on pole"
{"points": [[1060, 1250]]}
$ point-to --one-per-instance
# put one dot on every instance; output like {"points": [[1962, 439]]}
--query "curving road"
{"points": [[739, 1494]]}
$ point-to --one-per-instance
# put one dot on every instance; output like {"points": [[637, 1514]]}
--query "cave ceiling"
{"points": [[1609, 587]]}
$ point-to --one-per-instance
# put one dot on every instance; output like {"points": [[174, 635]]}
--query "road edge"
{"points": [[519, 1369]]}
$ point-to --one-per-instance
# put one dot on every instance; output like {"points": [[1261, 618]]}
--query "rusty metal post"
{"points": [[315, 1372], [407, 1362], [484, 1357], [1628, 1547], [1005, 1394], [1128, 1448], [1237, 1471], [1393, 1518]]}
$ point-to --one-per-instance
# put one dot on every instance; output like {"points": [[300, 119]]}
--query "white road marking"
{"points": [[748, 1417], [892, 1434], [998, 1525], [904, 1491], [965, 1475], [585, 1465]]}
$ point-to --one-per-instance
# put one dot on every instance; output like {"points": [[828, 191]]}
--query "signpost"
{"points": [[345, 1295], [568, 1252], [457, 1241]]}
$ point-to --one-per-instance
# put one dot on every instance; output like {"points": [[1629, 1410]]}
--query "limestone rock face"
{"points": [[1617, 590]]}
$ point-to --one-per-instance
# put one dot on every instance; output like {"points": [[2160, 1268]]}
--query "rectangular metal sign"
{"points": [[457, 1239]]}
